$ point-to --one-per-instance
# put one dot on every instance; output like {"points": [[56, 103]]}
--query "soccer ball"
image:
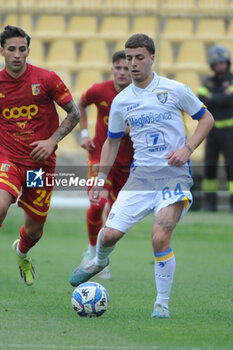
{"points": [[90, 299]]}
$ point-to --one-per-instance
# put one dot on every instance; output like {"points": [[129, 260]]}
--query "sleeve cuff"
{"points": [[116, 135], [199, 114]]}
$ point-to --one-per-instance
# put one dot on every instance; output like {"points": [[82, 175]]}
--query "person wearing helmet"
{"points": [[217, 94]]}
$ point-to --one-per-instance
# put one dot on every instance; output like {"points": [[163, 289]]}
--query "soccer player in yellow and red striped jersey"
{"points": [[29, 133]]}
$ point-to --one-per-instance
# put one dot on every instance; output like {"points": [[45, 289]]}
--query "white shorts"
{"points": [[133, 205]]}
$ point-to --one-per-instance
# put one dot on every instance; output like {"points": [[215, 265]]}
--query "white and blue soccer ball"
{"points": [[90, 299]]}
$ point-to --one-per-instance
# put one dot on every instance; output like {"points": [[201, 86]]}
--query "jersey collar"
{"points": [[150, 88]]}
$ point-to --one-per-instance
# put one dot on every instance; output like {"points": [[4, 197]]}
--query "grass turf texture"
{"points": [[41, 316]]}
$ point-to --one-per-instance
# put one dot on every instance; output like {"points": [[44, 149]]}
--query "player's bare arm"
{"points": [[108, 156], [44, 148], [86, 142], [180, 157]]}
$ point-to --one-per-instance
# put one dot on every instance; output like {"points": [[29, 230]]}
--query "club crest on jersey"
{"points": [[162, 97], [35, 89], [4, 167]]}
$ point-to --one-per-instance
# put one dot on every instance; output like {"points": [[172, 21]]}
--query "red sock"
{"points": [[95, 220], [0, 225], [25, 242]]}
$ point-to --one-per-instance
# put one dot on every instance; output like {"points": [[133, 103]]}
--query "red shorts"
{"points": [[34, 201], [115, 180]]}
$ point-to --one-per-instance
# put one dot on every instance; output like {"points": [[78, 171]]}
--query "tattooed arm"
{"points": [[44, 148]]}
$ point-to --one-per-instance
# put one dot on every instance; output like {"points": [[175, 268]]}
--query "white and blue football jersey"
{"points": [[156, 118]]}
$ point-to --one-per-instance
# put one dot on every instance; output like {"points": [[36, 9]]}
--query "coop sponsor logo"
{"points": [[18, 112]]}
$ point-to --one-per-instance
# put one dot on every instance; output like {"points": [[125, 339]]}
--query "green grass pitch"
{"points": [[201, 305]]}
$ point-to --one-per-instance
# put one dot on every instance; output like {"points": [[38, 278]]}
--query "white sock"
{"points": [[92, 249], [19, 252], [165, 265], [102, 252]]}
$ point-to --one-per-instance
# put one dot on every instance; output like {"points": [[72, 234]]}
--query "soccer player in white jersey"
{"points": [[160, 178]]}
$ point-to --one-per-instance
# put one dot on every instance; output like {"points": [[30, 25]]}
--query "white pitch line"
{"points": [[96, 347]]}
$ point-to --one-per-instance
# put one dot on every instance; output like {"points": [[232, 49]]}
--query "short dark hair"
{"points": [[141, 40], [118, 55], [13, 32]]}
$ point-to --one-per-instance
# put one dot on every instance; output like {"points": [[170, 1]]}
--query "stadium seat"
{"points": [[120, 45], [52, 5], [50, 27], [229, 33], [213, 7], [36, 55], [86, 78], [177, 30], [9, 5], [87, 6], [146, 24], [68, 147], [82, 28], [24, 21], [114, 28], [28, 5], [119, 6], [189, 78], [164, 57], [178, 7], [94, 54], [144, 6], [62, 54], [192, 56], [210, 30]]}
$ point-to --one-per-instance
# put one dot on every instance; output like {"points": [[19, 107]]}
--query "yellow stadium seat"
{"points": [[210, 30], [144, 6], [177, 30], [50, 27], [119, 6], [192, 56], [94, 54], [36, 55], [52, 5], [146, 25], [23, 21], [28, 5], [69, 147], [189, 78], [213, 7], [229, 34], [82, 27], [86, 6], [178, 7], [9, 5], [114, 28], [120, 45], [164, 57], [86, 78], [62, 54]]}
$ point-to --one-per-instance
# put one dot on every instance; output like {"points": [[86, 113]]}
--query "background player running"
{"points": [[101, 95], [160, 180], [29, 133]]}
